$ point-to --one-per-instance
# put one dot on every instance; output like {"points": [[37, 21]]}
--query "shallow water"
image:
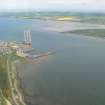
{"points": [[75, 75]]}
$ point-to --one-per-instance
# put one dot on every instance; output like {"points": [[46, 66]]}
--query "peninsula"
{"points": [[10, 54]]}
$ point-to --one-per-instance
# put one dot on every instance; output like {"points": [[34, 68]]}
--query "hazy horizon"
{"points": [[53, 5]]}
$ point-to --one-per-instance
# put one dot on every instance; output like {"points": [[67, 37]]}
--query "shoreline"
{"points": [[85, 36], [20, 90], [21, 87], [17, 96]]}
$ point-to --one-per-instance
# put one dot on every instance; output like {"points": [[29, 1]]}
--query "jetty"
{"points": [[41, 55]]}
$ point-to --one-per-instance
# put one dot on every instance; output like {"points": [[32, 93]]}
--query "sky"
{"points": [[53, 5]]}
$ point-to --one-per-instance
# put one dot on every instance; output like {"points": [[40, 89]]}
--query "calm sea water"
{"points": [[75, 75]]}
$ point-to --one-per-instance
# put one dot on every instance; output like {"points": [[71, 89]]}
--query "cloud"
{"points": [[66, 1], [53, 4]]}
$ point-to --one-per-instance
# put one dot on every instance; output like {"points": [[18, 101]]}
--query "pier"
{"points": [[41, 55]]}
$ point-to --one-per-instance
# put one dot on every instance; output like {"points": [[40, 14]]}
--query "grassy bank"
{"points": [[4, 85], [3, 78], [5, 75], [88, 32]]}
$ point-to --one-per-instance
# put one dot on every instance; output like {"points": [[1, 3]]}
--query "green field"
{"points": [[3, 73], [3, 78]]}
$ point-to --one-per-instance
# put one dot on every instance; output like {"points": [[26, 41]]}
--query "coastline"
{"points": [[21, 88], [86, 36], [16, 93], [20, 85]]}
